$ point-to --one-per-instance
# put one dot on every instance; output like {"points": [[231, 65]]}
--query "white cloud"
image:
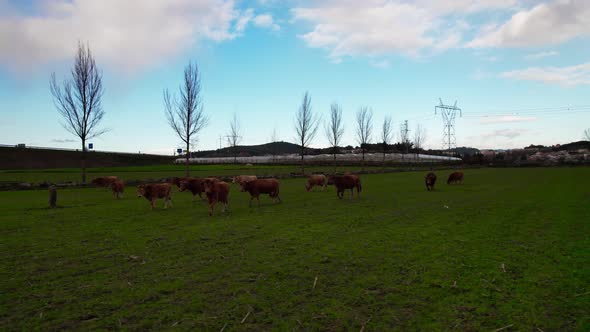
{"points": [[563, 76], [131, 34], [541, 55], [544, 24], [507, 119], [505, 133], [266, 21], [385, 27]]}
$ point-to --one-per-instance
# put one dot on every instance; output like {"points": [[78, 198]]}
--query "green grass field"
{"points": [[508, 248]]}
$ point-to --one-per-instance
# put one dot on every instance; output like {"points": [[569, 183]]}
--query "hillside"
{"points": [[33, 158]]}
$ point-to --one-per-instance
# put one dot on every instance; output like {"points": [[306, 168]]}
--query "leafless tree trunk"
{"points": [[419, 138], [386, 135], [335, 128], [185, 112], [234, 136], [364, 128], [403, 135], [78, 100], [587, 134], [306, 126], [274, 138]]}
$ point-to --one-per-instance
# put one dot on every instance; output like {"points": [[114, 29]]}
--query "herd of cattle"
{"points": [[217, 191]]}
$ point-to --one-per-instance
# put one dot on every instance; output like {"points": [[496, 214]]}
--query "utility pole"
{"points": [[449, 113]]}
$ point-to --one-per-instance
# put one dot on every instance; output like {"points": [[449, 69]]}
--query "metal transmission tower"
{"points": [[449, 113]]}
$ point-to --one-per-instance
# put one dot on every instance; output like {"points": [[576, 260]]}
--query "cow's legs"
{"points": [[212, 207], [153, 203]]}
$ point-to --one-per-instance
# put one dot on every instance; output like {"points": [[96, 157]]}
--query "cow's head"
{"points": [[307, 187], [182, 185], [209, 184], [141, 190], [235, 179], [98, 181], [331, 179]]}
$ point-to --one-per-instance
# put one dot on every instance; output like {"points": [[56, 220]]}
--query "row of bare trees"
{"points": [[307, 123], [78, 100]]}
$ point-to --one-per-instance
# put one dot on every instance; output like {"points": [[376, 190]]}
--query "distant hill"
{"points": [[34, 158], [255, 150]]}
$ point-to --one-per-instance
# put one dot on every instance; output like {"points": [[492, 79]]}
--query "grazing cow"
{"points": [[194, 185], [343, 182], [430, 181], [104, 181], [455, 177], [118, 187], [262, 186], [153, 191], [243, 178], [316, 180], [216, 191]]}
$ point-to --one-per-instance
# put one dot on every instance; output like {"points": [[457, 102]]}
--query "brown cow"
{"points": [[194, 185], [104, 181], [343, 182], [118, 187], [455, 177], [316, 180], [153, 191], [430, 181], [243, 178], [262, 186], [216, 191]]}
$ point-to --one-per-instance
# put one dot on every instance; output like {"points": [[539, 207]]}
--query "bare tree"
{"points": [[274, 138], [386, 135], [234, 136], [587, 134], [306, 126], [364, 127], [404, 138], [78, 100], [185, 112], [419, 138], [335, 128]]}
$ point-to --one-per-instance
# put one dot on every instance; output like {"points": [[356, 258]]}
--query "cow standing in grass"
{"points": [[217, 192], [430, 181], [262, 186], [153, 191], [177, 181], [316, 180], [455, 177], [344, 182], [194, 185], [118, 187]]}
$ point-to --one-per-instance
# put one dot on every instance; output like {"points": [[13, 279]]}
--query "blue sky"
{"points": [[514, 66]]}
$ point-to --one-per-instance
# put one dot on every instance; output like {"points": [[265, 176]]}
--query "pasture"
{"points": [[509, 248]]}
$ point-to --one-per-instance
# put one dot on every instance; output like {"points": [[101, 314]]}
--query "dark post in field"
{"points": [[185, 112], [52, 197], [78, 100]]}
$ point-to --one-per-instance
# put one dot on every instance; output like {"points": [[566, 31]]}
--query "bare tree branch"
{"points": [[78, 99], [587, 134], [335, 128], [364, 127], [234, 136], [386, 135], [306, 125], [274, 138], [419, 138], [185, 112]]}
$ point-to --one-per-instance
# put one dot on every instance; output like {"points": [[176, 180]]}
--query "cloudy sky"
{"points": [[519, 69]]}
